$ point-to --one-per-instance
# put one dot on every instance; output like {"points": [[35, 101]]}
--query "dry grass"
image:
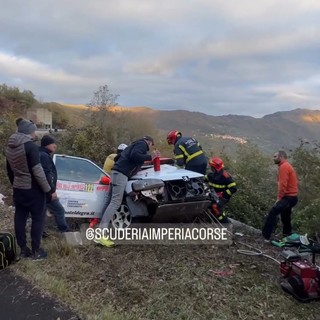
{"points": [[158, 282]]}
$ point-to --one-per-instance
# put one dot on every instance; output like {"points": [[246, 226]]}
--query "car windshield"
{"points": [[80, 170]]}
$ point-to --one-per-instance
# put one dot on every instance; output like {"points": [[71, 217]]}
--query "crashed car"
{"points": [[158, 196]]}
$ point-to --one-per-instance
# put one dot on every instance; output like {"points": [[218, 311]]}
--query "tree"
{"points": [[95, 138], [25, 98], [105, 128], [103, 98], [101, 104]]}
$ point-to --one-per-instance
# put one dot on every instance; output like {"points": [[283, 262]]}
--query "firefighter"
{"points": [[188, 152], [224, 186]]}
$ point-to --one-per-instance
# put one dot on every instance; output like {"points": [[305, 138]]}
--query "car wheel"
{"points": [[122, 218]]}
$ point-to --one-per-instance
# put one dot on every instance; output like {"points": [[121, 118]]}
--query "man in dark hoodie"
{"points": [[127, 164], [48, 147], [30, 187]]}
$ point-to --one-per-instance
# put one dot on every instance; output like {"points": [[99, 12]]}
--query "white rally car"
{"points": [[160, 196]]}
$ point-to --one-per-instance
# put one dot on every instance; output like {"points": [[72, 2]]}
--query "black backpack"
{"points": [[8, 249]]}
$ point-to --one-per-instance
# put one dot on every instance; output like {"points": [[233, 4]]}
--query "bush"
{"points": [[255, 176], [306, 160], [307, 219]]}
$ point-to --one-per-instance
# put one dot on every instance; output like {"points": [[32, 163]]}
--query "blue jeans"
{"points": [[56, 208]]}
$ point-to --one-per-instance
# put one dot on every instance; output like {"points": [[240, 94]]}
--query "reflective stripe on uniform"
{"points": [[179, 156], [218, 186], [194, 155], [190, 157], [232, 184]]}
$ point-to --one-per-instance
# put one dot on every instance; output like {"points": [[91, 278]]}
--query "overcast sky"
{"points": [[214, 56]]}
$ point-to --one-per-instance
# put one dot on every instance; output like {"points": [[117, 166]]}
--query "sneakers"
{"points": [[104, 242], [25, 252], [39, 255]]}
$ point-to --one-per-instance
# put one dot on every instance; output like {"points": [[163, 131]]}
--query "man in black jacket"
{"points": [[48, 147], [127, 164], [30, 187]]}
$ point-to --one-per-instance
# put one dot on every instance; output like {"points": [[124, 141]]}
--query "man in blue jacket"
{"points": [[127, 164], [48, 147]]}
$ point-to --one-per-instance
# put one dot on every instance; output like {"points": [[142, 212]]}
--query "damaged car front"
{"points": [[158, 196]]}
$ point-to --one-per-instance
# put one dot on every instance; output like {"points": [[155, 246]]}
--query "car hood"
{"points": [[166, 173]]}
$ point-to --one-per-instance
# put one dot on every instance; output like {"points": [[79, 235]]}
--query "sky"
{"points": [[218, 57]]}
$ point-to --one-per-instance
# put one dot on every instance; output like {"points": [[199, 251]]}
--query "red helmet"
{"points": [[216, 163], [172, 136]]}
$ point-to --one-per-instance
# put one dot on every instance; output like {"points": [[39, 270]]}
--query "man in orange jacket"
{"points": [[287, 197]]}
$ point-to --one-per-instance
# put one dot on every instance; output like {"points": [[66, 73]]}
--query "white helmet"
{"points": [[121, 147]]}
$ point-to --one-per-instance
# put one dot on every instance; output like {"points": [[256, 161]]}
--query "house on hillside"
{"points": [[41, 117]]}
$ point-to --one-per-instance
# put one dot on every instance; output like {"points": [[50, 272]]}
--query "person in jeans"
{"points": [[127, 164], [30, 187], [287, 197], [48, 147]]}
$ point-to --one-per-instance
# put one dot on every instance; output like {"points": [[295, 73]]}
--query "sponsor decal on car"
{"points": [[77, 203], [75, 186], [80, 213], [102, 188]]}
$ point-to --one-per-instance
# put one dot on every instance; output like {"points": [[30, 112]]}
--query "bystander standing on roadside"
{"points": [[30, 187], [48, 147]]}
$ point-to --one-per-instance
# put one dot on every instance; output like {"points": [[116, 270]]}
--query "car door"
{"points": [[81, 186]]}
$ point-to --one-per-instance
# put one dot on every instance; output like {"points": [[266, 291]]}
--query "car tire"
{"points": [[122, 217]]}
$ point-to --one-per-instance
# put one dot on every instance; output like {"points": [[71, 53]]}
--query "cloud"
{"points": [[214, 56]]}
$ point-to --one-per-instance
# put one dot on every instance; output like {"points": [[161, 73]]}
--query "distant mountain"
{"points": [[270, 133], [282, 129]]}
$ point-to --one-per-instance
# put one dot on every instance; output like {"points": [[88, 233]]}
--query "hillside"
{"points": [[274, 131], [163, 282], [278, 130]]}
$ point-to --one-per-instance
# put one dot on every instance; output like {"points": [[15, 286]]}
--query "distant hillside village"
{"points": [[41, 117]]}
